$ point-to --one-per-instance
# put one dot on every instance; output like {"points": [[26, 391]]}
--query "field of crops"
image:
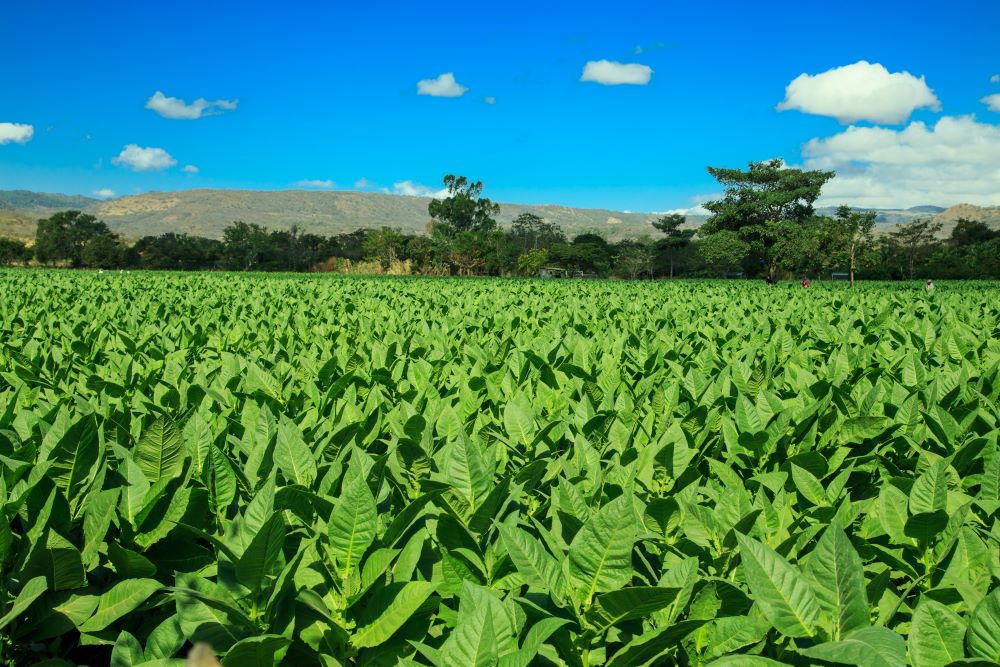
{"points": [[333, 471]]}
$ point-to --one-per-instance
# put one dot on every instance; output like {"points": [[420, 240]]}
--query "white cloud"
{"points": [[489, 99], [862, 91], [178, 109], [104, 193], [954, 161], [316, 183], [362, 183], [995, 78], [17, 133], [992, 101], [443, 86], [611, 73], [144, 159], [411, 189], [190, 169]]}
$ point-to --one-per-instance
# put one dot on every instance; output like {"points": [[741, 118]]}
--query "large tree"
{"points": [[915, 240], [675, 237], [852, 236], [63, 237], [464, 209], [723, 251], [759, 202]]}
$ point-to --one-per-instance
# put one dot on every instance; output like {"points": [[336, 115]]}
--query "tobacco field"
{"points": [[330, 470]]}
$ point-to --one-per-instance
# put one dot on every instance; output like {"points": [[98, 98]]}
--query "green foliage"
{"points": [[330, 470]]}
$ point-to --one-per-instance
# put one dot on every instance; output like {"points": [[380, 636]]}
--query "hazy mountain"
{"points": [[208, 212]]}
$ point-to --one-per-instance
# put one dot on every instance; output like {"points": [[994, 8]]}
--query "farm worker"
{"points": [[929, 286], [805, 283]]}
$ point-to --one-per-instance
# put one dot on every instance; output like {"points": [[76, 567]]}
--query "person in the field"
{"points": [[805, 283], [929, 286]]}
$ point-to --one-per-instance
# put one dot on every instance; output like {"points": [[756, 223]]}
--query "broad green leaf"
{"points": [[866, 647], [292, 455], [839, 581], [538, 568], [28, 594], [599, 557], [388, 609], [262, 651], [119, 600], [352, 524], [261, 555], [984, 628], [779, 588], [159, 451], [936, 634], [628, 603]]}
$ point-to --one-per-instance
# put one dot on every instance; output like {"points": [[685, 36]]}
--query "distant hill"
{"points": [[208, 212]]}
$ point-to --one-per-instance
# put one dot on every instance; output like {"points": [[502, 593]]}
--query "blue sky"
{"points": [[329, 92]]}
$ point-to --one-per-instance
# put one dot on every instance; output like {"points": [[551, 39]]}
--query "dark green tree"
{"points": [[464, 209], [62, 237], [723, 251], [529, 232], [104, 251], [13, 251], [245, 245], [968, 232], [915, 240], [851, 239], [384, 245], [675, 238], [756, 202]]}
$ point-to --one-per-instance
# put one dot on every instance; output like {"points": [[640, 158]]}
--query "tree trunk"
{"points": [[852, 267], [671, 266]]}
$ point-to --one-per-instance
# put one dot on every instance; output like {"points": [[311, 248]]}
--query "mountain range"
{"points": [[208, 212]]}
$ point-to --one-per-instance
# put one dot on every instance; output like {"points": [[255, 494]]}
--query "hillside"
{"points": [[208, 212]]}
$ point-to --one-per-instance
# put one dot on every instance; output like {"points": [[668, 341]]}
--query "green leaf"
{"points": [[518, 419], [839, 581], [936, 634], [483, 632], [930, 490], [467, 472], [292, 455], [779, 588], [127, 651], [633, 602], [866, 647], [262, 651], [652, 644], [74, 457], [159, 452], [352, 523], [65, 563], [119, 600], [858, 429], [260, 556], [536, 566], [388, 609], [984, 628], [745, 661], [809, 486], [600, 556], [28, 594]]}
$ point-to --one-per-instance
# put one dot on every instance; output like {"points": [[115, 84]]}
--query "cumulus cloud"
{"points": [[443, 86], [954, 161], [610, 73], [992, 101], [995, 78], [17, 133], [178, 109], [189, 169], [489, 99], [362, 183], [104, 193], [138, 158], [326, 184], [411, 189], [862, 91]]}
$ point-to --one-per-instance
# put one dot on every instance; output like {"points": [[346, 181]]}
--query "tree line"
{"points": [[764, 225]]}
